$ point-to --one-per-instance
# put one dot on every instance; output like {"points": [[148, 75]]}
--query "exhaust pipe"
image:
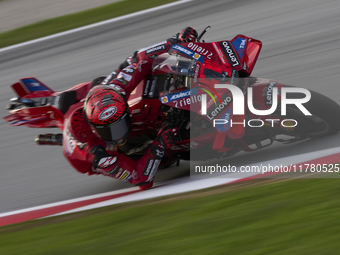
{"points": [[49, 139]]}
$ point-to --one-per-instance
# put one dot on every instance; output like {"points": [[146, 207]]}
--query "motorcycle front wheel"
{"points": [[325, 118]]}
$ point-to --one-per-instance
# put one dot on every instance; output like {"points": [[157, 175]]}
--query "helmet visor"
{"points": [[116, 131]]}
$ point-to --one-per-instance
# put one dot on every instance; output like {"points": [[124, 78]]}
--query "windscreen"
{"points": [[175, 70]]}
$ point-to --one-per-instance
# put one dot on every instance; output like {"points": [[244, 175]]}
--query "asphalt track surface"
{"points": [[32, 11], [301, 47]]}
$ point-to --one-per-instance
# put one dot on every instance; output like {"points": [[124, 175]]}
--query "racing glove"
{"points": [[167, 137], [102, 159], [188, 34]]}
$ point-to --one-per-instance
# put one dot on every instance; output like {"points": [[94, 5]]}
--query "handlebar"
{"points": [[203, 32]]}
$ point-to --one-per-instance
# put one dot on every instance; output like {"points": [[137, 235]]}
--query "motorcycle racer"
{"points": [[104, 124]]}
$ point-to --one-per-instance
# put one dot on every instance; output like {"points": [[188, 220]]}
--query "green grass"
{"points": [[284, 217], [63, 23]]}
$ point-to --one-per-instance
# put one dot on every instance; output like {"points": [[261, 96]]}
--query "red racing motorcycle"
{"points": [[187, 89]]}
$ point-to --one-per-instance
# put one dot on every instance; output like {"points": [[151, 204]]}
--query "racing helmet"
{"points": [[108, 113]]}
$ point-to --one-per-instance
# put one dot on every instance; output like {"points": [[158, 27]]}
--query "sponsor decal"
{"points": [[124, 175], [146, 87], [197, 71], [243, 44], [136, 111], [200, 50], [196, 56], [175, 96], [220, 54], [149, 48], [148, 167], [134, 175], [118, 88], [164, 99], [124, 82], [229, 53], [107, 113], [150, 87], [155, 49], [124, 76], [113, 171], [153, 87], [179, 95], [159, 153], [140, 63], [188, 52], [215, 111], [119, 172], [128, 70], [111, 147], [33, 85], [226, 123], [154, 169], [183, 98], [239, 45], [182, 49], [268, 93], [188, 100], [107, 161]]}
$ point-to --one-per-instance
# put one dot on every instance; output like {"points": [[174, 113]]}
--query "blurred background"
{"points": [[300, 47]]}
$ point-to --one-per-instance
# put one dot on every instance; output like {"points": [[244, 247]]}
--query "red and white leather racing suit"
{"points": [[108, 159]]}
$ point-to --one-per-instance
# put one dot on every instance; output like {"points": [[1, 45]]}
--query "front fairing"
{"points": [[184, 78]]}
